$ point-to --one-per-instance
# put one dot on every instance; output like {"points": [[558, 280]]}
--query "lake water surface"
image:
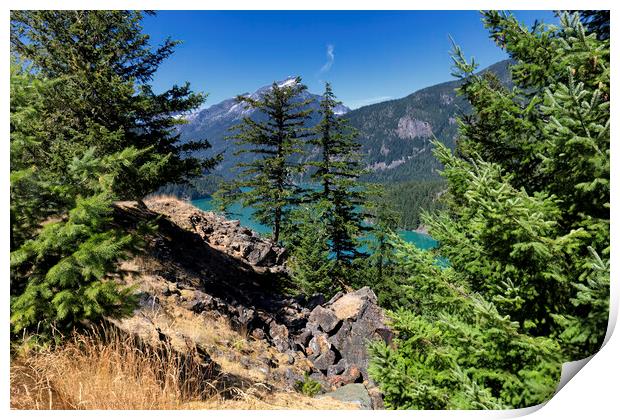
{"points": [[244, 215]]}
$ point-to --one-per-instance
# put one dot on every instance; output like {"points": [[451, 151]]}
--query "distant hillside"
{"points": [[396, 134]]}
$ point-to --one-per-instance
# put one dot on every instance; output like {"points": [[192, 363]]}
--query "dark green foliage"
{"points": [[266, 182], [311, 266], [409, 199], [61, 276], [380, 269], [586, 328], [63, 246], [308, 386], [86, 131], [595, 21], [550, 135], [516, 252], [455, 350], [225, 196], [103, 64], [200, 187], [324, 235], [32, 196], [525, 228], [337, 172]]}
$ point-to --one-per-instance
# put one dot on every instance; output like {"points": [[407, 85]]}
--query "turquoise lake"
{"points": [[244, 215]]}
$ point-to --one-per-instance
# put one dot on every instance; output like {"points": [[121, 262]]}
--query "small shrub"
{"points": [[308, 386]]}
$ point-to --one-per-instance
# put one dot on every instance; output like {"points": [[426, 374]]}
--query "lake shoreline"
{"points": [[418, 237]]}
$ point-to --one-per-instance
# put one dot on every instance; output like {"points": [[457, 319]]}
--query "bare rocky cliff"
{"points": [[208, 283]]}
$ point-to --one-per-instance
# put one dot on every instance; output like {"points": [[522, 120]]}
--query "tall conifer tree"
{"points": [[337, 172], [86, 130], [525, 230], [273, 138], [104, 64]]}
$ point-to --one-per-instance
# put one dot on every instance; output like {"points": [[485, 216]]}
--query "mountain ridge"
{"points": [[395, 134]]}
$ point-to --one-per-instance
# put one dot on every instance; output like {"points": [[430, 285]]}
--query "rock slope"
{"points": [[209, 283]]}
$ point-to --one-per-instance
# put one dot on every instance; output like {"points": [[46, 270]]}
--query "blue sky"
{"points": [[368, 56]]}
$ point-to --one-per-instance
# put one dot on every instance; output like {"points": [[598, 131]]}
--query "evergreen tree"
{"points": [[456, 350], [32, 199], [104, 64], [584, 330], [525, 228], [550, 137], [310, 262], [64, 272], [410, 199], [86, 131], [266, 182], [380, 269], [337, 172], [595, 21], [63, 244]]}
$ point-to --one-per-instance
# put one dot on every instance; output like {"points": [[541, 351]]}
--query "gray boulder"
{"points": [[324, 318], [353, 393], [340, 333]]}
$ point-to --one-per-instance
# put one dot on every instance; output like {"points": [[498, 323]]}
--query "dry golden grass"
{"points": [[108, 371], [111, 372]]}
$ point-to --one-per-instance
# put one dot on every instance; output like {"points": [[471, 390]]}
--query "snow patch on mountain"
{"points": [[291, 81]]}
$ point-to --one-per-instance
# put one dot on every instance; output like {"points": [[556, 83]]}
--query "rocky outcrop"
{"points": [[410, 128], [336, 337], [198, 267], [226, 235]]}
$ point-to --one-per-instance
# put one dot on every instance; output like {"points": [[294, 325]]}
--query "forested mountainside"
{"points": [[411, 198], [203, 186], [395, 135]]}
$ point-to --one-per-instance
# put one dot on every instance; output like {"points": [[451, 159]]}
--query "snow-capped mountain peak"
{"points": [[290, 81], [215, 120]]}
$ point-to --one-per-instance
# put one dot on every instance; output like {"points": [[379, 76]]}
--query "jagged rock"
{"points": [[215, 268], [325, 318], [337, 369], [376, 397], [319, 344], [303, 339], [324, 360], [292, 378], [279, 336], [362, 321], [228, 235], [320, 378], [258, 334], [334, 298], [246, 316], [353, 304], [355, 393], [350, 375], [315, 300], [339, 338]]}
